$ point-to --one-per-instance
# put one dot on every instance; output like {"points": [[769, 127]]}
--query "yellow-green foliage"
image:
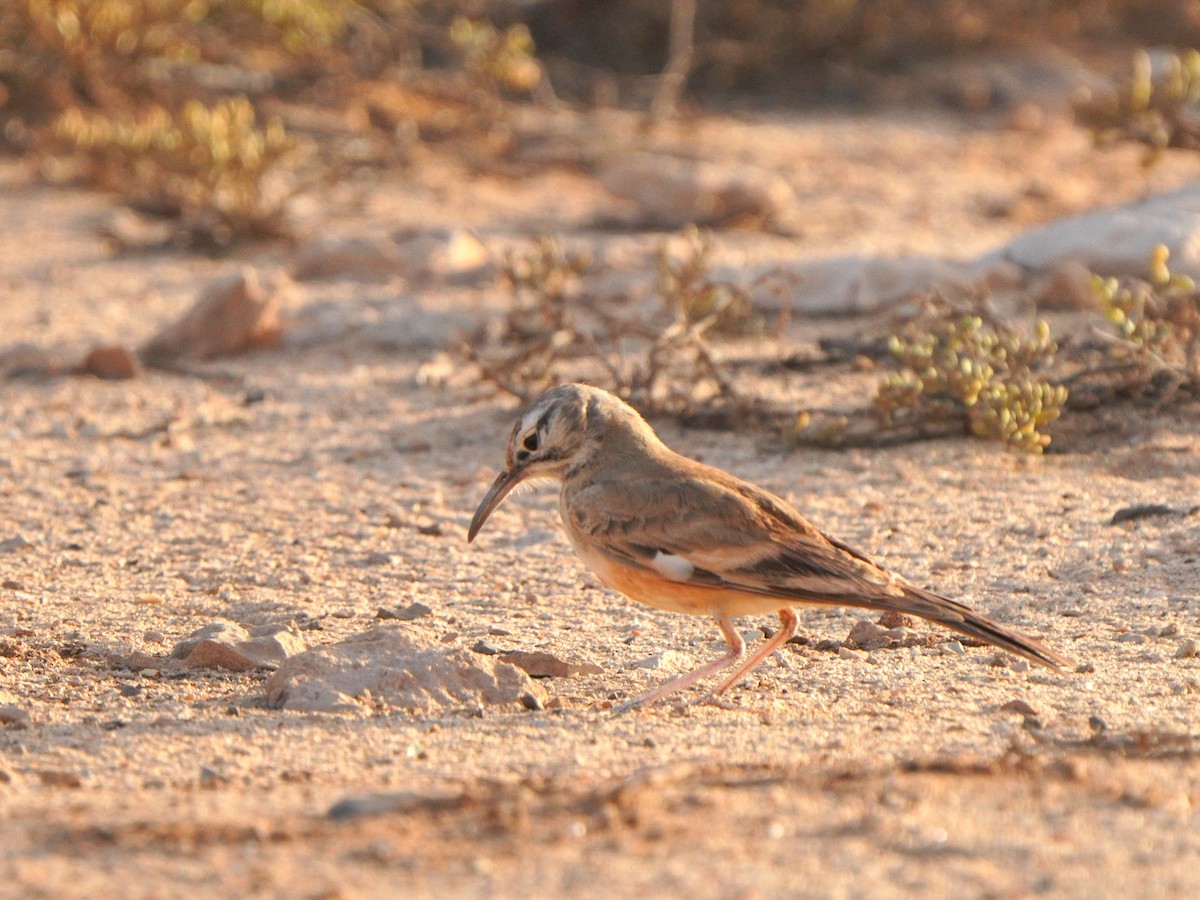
{"points": [[203, 162], [1157, 321], [93, 31], [496, 59], [1157, 106], [966, 369]]}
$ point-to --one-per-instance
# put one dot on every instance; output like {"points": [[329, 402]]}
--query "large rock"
{"points": [[227, 645], [392, 667], [234, 314], [847, 285], [1116, 241]]}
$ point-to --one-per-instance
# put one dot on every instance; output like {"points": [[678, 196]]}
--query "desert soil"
{"points": [[321, 482]]}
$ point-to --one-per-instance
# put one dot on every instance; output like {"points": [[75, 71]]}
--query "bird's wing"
{"points": [[711, 530]]}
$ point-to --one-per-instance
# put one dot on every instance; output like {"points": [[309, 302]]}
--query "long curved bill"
{"points": [[505, 482]]}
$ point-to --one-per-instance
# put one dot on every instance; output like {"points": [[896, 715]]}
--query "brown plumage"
{"points": [[676, 534]]}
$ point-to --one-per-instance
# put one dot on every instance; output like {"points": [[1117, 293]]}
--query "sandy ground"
{"points": [[136, 512]]}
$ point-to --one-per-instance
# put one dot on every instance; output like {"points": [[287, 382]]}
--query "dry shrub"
{"points": [[206, 165], [660, 359]]}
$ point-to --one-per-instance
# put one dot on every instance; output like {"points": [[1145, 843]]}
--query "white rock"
{"points": [[670, 660], [1116, 241], [393, 667]]}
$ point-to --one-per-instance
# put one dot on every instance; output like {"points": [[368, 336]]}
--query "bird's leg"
{"points": [[737, 646], [788, 622]]}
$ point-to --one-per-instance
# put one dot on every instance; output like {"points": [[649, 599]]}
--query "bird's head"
{"points": [[548, 439]]}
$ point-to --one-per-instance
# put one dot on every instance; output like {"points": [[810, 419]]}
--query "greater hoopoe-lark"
{"points": [[679, 535]]}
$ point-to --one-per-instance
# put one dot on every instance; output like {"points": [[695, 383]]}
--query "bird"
{"points": [[680, 535]]}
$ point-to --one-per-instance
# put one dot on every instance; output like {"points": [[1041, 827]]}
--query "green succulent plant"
{"points": [[970, 369]]}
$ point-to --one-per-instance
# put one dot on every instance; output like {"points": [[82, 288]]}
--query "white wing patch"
{"points": [[672, 568]]}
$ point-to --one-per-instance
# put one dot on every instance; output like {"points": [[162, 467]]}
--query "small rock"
{"points": [[377, 558], [531, 701], [485, 648], [847, 653], [671, 660], [893, 619], [59, 778], [232, 315], [1019, 706], [409, 613], [952, 647], [499, 632], [451, 254], [866, 635], [25, 360], [1188, 649], [540, 664], [225, 645], [210, 778], [131, 690], [1019, 665], [110, 363], [127, 230], [1068, 286], [372, 805], [16, 716], [1140, 511], [1132, 637], [13, 544]]}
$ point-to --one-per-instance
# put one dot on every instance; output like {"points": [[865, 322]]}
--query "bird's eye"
{"points": [[531, 442]]}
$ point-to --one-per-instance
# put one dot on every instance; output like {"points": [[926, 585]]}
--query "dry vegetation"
{"points": [[176, 107]]}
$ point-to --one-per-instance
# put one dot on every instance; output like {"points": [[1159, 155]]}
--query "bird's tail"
{"points": [[928, 605]]}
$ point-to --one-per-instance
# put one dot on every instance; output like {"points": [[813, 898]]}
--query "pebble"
{"points": [[1132, 637], [110, 363], [1188, 649], [210, 778], [131, 690], [540, 664], [1019, 665], [15, 716], [14, 543], [499, 632], [668, 659], [951, 647], [485, 648], [847, 653], [531, 701], [1019, 706], [409, 613], [59, 778]]}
